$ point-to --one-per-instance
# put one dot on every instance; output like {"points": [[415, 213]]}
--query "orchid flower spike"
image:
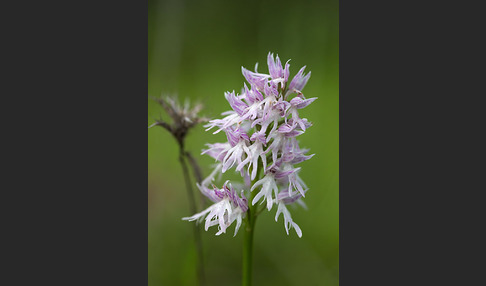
{"points": [[261, 130]]}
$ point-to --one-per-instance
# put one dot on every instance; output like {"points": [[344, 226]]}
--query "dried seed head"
{"points": [[183, 116]]}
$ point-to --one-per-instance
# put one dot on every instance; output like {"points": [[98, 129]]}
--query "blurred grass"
{"points": [[196, 50]]}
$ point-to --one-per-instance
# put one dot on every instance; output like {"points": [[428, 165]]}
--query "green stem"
{"points": [[250, 220], [192, 206], [248, 248]]}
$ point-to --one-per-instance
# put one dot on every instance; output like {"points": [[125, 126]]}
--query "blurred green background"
{"points": [[196, 50]]}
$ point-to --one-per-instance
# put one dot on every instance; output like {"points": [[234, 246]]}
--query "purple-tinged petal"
{"points": [[260, 136], [217, 150], [258, 95], [300, 159], [272, 68], [243, 202], [220, 194], [287, 198], [278, 64], [282, 174], [209, 193], [275, 68], [270, 89], [286, 128], [299, 81], [299, 103], [256, 79], [236, 103], [233, 137], [286, 71], [289, 130], [282, 106]]}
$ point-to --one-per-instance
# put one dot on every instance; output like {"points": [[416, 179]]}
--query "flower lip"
{"points": [[288, 222]]}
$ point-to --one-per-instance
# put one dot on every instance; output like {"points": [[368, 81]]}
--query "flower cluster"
{"points": [[261, 130], [227, 208]]}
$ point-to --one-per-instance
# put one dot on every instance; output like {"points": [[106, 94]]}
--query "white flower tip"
{"points": [[297, 229], [269, 205]]}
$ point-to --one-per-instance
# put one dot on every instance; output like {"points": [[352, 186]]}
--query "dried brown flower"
{"points": [[183, 117]]}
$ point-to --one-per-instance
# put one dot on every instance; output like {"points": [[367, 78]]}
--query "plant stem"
{"points": [[195, 167], [192, 206], [250, 220], [248, 248], [196, 170]]}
